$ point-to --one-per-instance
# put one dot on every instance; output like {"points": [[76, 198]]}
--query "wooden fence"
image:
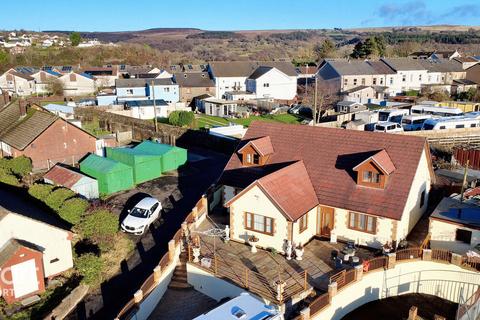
{"points": [[441, 255], [168, 258], [409, 254]]}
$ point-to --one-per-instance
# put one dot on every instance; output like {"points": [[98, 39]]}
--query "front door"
{"points": [[325, 221]]}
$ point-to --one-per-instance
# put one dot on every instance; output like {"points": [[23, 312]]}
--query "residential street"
{"points": [[178, 195]]}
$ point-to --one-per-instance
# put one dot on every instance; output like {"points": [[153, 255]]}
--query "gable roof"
{"points": [[263, 145], [404, 64], [194, 79], [21, 75], [382, 160], [22, 133], [9, 114], [260, 71], [351, 67], [102, 164], [329, 156], [284, 187], [246, 68], [11, 247]]}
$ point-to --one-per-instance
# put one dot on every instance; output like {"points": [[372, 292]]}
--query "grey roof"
{"points": [[355, 89], [260, 71], [464, 82], [194, 79], [246, 68], [21, 134], [12, 246], [404, 64], [135, 83], [441, 65], [351, 67], [347, 103], [9, 114], [380, 67], [465, 213]]}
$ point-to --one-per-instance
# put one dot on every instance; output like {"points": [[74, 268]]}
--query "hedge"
{"points": [[89, 266], [181, 118], [56, 198], [40, 191], [8, 178], [99, 223], [20, 166], [73, 209]]}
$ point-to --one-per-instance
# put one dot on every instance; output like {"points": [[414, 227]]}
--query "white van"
{"points": [[390, 127], [450, 123], [392, 115], [414, 122]]}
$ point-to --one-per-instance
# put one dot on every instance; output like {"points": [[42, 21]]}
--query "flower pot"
{"points": [[299, 253]]}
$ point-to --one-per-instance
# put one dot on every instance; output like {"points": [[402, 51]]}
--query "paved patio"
{"points": [[235, 261]]}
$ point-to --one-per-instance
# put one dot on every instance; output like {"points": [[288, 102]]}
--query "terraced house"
{"points": [[292, 183]]}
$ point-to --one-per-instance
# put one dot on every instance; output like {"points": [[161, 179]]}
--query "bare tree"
{"points": [[55, 87], [321, 96]]}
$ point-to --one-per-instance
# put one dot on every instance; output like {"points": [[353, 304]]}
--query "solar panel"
{"points": [[67, 68]]}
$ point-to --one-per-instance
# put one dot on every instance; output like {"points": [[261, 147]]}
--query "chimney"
{"points": [[22, 105]]}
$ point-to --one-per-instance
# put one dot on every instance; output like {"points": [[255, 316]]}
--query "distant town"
{"points": [[336, 184]]}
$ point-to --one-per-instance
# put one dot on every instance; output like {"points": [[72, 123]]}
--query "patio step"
{"points": [[179, 278]]}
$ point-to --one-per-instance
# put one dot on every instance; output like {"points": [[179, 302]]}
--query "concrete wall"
{"points": [[209, 285], [147, 306], [443, 280], [443, 235], [56, 242]]}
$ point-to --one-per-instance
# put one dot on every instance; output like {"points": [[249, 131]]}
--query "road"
{"points": [[179, 195]]}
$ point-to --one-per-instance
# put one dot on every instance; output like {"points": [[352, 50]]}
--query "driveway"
{"points": [[178, 192]]}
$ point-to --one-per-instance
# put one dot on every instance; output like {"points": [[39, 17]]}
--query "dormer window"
{"points": [[375, 170], [256, 151]]}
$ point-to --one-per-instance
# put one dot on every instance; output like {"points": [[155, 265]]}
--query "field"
{"points": [[205, 121]]}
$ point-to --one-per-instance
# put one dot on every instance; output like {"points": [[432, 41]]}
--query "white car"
{"points": [[141, 216]]}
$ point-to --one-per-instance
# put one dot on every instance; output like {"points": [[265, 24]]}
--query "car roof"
{"points": [[146, 203], [385, 123]]}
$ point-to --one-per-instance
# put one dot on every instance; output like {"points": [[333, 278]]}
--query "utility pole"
{"points": [[154, 105], [315, 102], [464, 182]]}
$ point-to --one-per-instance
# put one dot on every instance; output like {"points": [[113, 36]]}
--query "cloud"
{"points": [[417, 12]]}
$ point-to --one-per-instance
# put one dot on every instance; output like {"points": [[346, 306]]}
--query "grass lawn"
{"points": [[204, 120]]}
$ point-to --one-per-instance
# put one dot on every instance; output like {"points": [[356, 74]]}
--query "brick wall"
{"points": [[61, 142]]}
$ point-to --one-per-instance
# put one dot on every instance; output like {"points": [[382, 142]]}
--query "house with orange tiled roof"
{"points": [[289, 184]]}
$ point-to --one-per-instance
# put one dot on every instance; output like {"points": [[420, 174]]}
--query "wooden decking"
{"points": [[259, 271]]}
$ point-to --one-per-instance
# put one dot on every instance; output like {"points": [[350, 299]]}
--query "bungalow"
{"points": [[32, 248], [77, 84], [43, 137], [290, 183], [349, 107]]}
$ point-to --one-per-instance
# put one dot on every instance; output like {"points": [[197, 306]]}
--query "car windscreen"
{"points": [[383, 116], [407, 121], [382, 128], [139, 213], [428, 126]]}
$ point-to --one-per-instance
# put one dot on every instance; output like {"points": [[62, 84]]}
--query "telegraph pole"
{"points": [[315, 103], [154, 105]]}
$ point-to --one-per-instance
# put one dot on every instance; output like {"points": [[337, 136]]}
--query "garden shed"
{"points": [[171, 157], [59, 175], [112, 176], [145, 166]]}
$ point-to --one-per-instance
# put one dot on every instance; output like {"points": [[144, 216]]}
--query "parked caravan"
{"points": [[436, 111], [392, 115], [450, 123], [414, 122]]}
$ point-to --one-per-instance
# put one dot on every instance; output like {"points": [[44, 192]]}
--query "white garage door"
{"points": [[24, 276]]}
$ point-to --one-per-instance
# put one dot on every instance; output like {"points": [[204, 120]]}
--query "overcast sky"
{"points": [[119, 15]]}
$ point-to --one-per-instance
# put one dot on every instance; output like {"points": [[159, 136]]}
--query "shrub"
{"points": [[7, 178], [56, 198], [99, 224], [72, 210], [21, 166], [40, 191], [89, 266], [181, 118]]}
